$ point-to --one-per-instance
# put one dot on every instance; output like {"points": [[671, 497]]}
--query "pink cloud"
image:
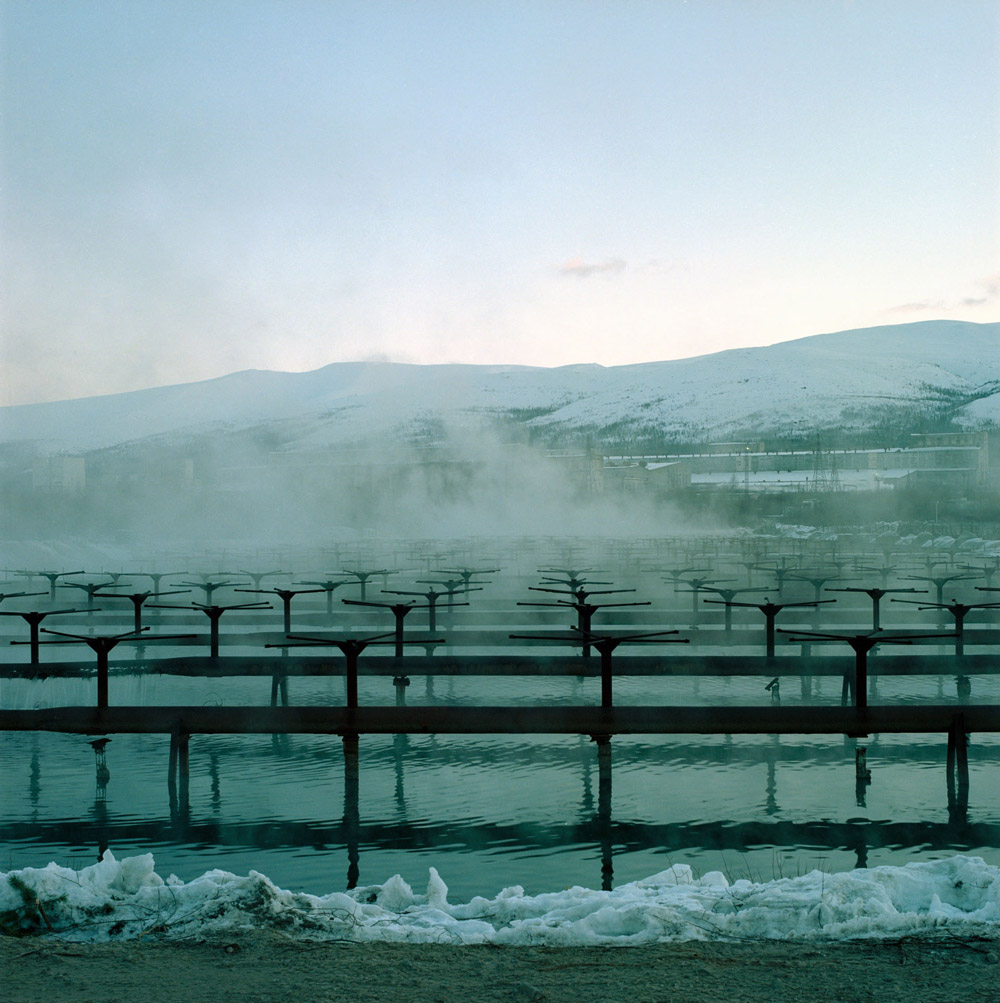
{"points": [[581, 269]]}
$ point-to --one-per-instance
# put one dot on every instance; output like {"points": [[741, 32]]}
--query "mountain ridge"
{"points": [[944, 369]]}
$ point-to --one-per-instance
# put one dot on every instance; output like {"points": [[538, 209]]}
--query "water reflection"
{"points": [[35, 780], [957, 767], [603, 820], [216, 787], [569, 818], [771, 801], [400, 748], [352, 815], [178, 778], [102, 776], [102, 831]]}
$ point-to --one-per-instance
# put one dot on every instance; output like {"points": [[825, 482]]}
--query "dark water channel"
{"points": [[537, 811]]}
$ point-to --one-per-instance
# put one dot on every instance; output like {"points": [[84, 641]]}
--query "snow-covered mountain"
{"points": [[853, 379]]}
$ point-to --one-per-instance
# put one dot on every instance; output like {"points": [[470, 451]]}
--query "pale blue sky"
{"points": [[193, 188]]}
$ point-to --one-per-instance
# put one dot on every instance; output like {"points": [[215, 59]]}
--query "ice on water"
{"points": [[121, 899]]}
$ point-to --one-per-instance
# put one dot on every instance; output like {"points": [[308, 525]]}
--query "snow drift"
{"points": [[959, 896]]}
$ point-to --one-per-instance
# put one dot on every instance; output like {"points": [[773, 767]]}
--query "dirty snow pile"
{"points": [[115, 899]]}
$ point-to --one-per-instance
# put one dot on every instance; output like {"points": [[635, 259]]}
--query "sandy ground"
{"points": [[270, 967]]}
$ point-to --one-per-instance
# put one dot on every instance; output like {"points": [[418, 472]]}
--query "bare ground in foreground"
{"points": [[270, 967]]}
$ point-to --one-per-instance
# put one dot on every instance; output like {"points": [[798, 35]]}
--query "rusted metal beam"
{"points": [[580, 720], [788, 663]]}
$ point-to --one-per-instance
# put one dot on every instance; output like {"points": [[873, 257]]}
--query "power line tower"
{"points": [[819, 467]]}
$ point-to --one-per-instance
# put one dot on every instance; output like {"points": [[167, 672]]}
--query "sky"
{"points": [[191, 188]]}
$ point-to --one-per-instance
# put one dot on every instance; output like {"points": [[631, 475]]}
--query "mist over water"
{"points": [[462, 483], [487, 812], [195, 191]]}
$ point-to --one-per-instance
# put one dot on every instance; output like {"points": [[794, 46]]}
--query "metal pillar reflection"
{"points": [[352, 817]]}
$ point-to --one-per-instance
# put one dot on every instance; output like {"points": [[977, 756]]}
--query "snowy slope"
{"points": [[833, 379], [850, 378]]}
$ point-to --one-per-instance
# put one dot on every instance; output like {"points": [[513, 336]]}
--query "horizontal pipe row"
{"points": [[788, 663], [580, 720]]}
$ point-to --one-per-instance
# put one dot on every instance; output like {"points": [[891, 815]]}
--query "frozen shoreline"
{"points": [[127, 899]]}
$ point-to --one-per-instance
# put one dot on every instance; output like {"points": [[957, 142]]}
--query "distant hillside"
{"points": [[936, 372]]}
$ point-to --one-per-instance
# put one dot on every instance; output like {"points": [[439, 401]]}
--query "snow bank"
{"points": [[123, 899]]}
